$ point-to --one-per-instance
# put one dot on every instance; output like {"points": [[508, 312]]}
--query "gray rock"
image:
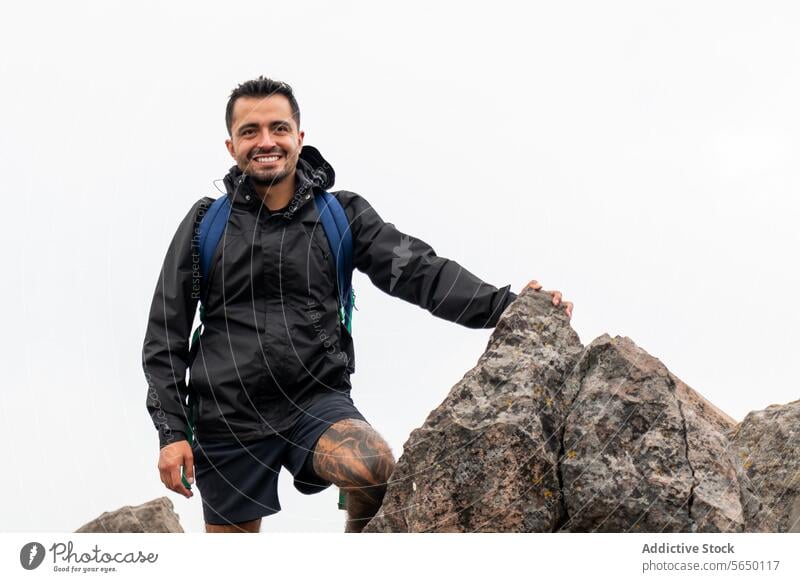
{"points": [[543, 435], [643, 451], [156, 516], [486, 459], [767, 443]]}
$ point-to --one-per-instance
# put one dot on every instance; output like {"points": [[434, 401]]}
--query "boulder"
{"points": [[486, 459], [767, 444], [642, 450], [156, 516], [544, 435]]}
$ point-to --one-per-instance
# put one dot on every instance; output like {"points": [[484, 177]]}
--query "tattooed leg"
{"points": [[355, 458]]}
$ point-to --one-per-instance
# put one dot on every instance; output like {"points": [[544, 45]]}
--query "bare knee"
{"points": [[364, 501], [352, 455], [383, 468], [364, 498], [253, 526], [377, 471]]}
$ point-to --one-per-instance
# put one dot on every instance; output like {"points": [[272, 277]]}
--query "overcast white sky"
{"points": [[641, 157]]}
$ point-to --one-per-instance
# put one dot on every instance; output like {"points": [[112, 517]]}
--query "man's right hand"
{"points": [[170, 461]]}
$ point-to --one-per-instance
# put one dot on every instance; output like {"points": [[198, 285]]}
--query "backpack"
{"points": [[337, 229]]}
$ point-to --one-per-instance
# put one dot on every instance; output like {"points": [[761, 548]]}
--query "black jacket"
{"points": [[272, 340]]}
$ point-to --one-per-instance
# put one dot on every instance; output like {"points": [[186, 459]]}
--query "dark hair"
{"points": [[261, 87]]}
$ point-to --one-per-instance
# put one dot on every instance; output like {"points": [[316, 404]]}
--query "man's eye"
{"points": [[282, 128]]}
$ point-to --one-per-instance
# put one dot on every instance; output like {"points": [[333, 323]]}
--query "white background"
{"points": [[641, 157]]}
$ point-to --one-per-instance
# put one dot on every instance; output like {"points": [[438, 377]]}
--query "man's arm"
{"points": [[165, 355], [406, 267]]}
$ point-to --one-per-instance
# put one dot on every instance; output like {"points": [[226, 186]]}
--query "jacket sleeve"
{"points": [[165, 356], [406, 267]]}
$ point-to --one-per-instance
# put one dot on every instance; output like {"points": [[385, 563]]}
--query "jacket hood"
{"points": [[312, 170]]}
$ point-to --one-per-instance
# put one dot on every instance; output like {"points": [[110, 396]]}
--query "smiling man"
{"points": [[270, 373]]}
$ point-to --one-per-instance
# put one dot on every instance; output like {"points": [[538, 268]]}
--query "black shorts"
{"points": [[238, 480]]}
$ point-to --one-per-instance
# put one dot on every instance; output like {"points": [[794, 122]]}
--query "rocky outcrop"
{"points": [[642, 450], [767, 444], [487, 458], [156, 516], [544, 435]]}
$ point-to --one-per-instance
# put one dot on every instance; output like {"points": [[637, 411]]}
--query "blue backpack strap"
{"points": [[337, 229], [212, 225], [211, 228]]}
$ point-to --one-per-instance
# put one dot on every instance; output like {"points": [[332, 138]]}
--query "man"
{"points": [[271, 375]]}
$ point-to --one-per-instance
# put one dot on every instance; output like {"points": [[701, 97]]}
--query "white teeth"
{"points": [[266, 158]]}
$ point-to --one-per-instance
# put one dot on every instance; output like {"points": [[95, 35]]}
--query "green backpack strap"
{"points": [[190, 401]]}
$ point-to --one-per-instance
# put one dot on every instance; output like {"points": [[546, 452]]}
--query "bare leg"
{"points": [[243, 527], [355, 458], [361, 508]]}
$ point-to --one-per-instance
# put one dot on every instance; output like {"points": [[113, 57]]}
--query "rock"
{"points": [[643, 451], [767, 443], [543, 435], [156, 516], [486, 459]]}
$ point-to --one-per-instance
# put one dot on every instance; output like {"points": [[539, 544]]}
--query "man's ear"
{"points": [[229, 145], [302, 134]]}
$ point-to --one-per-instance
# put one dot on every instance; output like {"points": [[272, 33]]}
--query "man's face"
{"points": [[265, 141]]}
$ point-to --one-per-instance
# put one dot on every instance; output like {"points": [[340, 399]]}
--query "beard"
{"points": [[269, 178]]}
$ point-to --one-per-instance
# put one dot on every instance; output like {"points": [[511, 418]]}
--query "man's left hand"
{"points": [[556, 297]]}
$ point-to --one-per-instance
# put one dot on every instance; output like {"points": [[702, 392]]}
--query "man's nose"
{"points": [[265, 141]]}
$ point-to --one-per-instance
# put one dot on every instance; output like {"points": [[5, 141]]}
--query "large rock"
{"points": [[156, 516], [487, 458], [643, 451], [768, 446], [543, 435]]}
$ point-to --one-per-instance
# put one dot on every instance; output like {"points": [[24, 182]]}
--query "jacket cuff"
{"points": [[505, 297], [167, 437]]}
